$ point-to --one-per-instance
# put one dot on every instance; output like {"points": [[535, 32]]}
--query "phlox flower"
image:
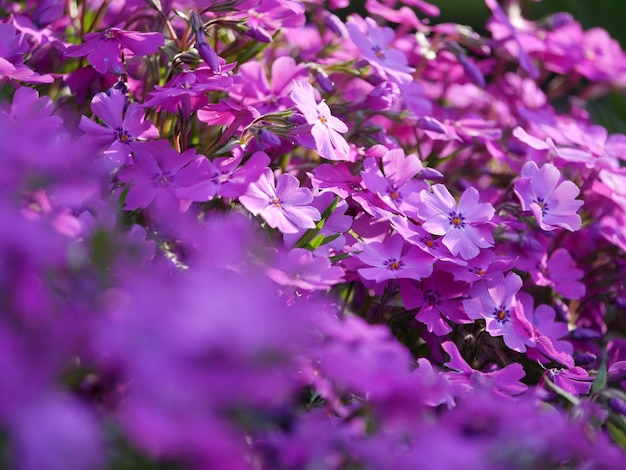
{"points": [[438, 297], [505, 381], [377, 50], [495, 301], [460, 225], [392, 260], [299, 268], [203, 179], [13, 47], [284, 205], [123, 126], [325, 128], [559, 271], [397, 187], [153, 175], [553, 203], [104, 49]]}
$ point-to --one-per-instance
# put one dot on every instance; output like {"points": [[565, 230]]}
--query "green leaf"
{"points": [[306, 238], [317, 241], [600, 382], [618, 435]]}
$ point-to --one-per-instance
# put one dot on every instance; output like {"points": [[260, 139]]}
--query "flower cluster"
{"points": [[256, 235]]}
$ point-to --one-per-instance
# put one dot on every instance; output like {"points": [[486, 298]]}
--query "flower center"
{"points": [[123, 136], [431, 297], [109, 34], [393, 264], [322, 119], [275, 202], [501, 314], [379, 53], [456, 220]]}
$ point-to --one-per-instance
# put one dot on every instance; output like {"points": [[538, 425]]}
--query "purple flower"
{"points": [[104, 49], [397, 188], [553, 203], [376, 48], [299, 268], [13, 47], [284, 206], [460, 225], [559, 271], [505, 381], [392, 260], [495, 301], [204, 179], [153, 175], [438, 297], [325, 128], [123, 127]]}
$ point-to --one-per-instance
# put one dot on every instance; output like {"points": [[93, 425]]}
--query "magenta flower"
{"points": [[495, 301], [325, 128], [284, 206], [460, 225], [559, 271], [438, 297], [104, 49], [392, 260], [553, 203], [122, 127]]}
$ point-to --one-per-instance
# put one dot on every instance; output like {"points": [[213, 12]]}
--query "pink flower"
{"points": [[325, 128], [284, 206], [104, 49], [392, 260], [553, 203], [460, 225], [13, 47]]}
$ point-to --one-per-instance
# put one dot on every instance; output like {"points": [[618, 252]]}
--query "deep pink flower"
{"points": [[460, 225], [123, 126], [392, 260], [284, 206], [326, 128], [552, 202], [495, 301], [104, 49]]}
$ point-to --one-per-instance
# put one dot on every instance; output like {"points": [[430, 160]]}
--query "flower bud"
{"points": [[383, 97], [324, 81]]}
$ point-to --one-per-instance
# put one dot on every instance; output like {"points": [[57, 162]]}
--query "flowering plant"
{"points": [[257, 235]]}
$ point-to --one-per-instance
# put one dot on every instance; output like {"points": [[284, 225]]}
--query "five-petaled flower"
{"points": [[461, 226], [553, 203], [325, 128], [284, 206]]}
